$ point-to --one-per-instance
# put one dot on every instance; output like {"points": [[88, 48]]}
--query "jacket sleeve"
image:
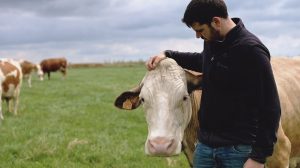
{"points": [[187, 60], [269, 106]]}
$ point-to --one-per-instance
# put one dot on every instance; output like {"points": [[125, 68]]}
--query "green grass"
{"points": [[73, 123]]}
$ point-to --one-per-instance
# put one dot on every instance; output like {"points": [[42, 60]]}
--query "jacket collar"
{"points": [[231, 36], [233, 33]]}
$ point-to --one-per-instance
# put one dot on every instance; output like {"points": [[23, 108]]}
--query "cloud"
{"points": [[283, 45], [110, 30]]}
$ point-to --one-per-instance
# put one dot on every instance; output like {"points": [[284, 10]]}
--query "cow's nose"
{"points": [[161, 146]]}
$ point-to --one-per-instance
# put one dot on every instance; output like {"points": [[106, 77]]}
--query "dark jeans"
{"points": [[221, 157]]}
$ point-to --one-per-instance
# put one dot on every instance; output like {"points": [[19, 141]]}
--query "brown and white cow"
{"points": [[11, 81], [28, 68], [171, 112], [53, 65]]}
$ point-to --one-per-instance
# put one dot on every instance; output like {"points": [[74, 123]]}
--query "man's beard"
{"points": [[215, 35]]}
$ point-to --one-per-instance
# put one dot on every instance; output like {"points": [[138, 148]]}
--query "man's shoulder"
{"points": [[248, 38], [248, 41], [249, 47]]}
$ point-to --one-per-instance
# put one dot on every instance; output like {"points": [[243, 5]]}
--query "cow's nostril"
{"points": [[170, 143], [161, 146]]}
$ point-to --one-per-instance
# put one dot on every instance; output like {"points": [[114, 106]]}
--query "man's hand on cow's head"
{"points": [[153, 61]]}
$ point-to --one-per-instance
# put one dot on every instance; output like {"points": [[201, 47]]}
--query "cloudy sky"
{"points": [[129, 30]]}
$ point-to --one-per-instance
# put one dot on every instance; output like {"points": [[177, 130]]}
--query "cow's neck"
{"points": [[190, 133]]}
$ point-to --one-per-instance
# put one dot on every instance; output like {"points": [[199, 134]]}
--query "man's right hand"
{"points": [[153, 61]]}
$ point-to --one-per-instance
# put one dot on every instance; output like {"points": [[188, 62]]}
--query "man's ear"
{"points": [[194, 80], [129, 100], [216, 23]]}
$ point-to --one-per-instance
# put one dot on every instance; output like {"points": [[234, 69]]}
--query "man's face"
{"points": [[206, 32]]}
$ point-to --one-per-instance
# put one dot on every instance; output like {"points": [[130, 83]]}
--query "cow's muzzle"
{"points": [[161, 146]]}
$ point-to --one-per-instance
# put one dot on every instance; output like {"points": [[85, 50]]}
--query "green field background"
{"points": [[73, 123]]}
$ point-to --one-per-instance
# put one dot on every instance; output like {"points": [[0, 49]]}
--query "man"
{"points": [[240, 108]]}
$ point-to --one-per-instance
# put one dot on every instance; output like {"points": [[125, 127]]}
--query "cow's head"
{"points": [[164, 94], [39, 71]]}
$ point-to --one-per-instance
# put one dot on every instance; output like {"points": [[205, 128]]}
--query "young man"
{"points": [[240, 110]]}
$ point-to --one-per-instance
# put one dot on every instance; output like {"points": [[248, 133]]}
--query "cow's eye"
{"points": [[185, 98], [142, 100]]}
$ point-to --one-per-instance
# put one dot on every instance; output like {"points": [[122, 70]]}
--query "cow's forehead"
{"points": [[164, 83], [168, 78]]}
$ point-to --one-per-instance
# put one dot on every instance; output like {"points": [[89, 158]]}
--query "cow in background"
{"points": [[53, 65], [28, 68], [11, 81], [171, 114]]}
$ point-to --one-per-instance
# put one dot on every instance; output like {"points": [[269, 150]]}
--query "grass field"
{"points": [[72, 123]]}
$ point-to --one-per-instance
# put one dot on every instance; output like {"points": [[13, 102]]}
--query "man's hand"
{"points": [[253, 164], [153, 61]]}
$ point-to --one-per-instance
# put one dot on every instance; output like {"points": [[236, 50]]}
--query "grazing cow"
{"points": [[11, 81], [171, 105], [28, 68], [53, 65]]}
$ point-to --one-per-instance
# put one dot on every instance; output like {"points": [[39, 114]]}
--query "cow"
{"points": [[28, 68], [11, 81], [170, 97], [53, 65]]}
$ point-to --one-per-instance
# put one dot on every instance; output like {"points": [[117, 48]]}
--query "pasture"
{"points": [[73, 123]]}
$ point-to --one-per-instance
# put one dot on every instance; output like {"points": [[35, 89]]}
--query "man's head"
{"points": [[206, 17]]}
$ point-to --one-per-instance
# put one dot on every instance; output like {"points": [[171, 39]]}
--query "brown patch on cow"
{"points": [[7, 68], [27, 67]]}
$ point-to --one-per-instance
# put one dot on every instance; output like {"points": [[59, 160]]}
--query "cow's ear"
{"points": [[129, 100], [194, 80]]}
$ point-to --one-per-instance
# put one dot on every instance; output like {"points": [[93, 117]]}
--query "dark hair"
{"points": [[203, 11]]}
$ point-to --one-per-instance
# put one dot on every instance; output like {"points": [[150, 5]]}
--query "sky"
{"points": [[99, 31]]}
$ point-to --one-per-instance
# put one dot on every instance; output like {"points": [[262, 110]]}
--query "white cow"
{"points": [[167, 103]]}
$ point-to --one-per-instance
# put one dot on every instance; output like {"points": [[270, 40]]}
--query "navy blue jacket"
{"points": [[240, 103]]}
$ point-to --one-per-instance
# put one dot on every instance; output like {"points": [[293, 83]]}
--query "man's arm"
{"points": [[269, 107], [187, 60]]}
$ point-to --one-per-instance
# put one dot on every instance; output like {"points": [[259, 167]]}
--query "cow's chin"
{"points": [[162, 147]]}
